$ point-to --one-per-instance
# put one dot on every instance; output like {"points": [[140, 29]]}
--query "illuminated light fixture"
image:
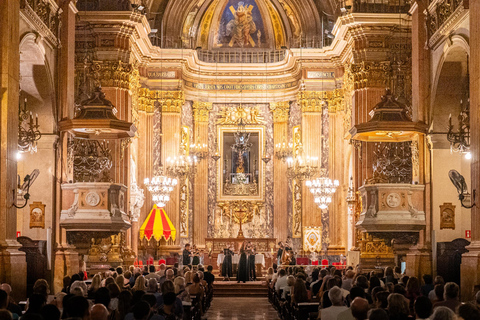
{"points": [[160, 187], [182, 166], [322, 190], [300, 167], [283, 150], [28, 133]]}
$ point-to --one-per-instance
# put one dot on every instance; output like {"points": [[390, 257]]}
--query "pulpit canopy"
{"points": [[157, 225]]}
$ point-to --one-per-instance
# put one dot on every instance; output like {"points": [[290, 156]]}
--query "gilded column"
{"points": [[171, 103], [201, 112], [13, 267], [280, 112]]}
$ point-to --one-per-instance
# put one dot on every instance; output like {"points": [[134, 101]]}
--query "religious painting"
{"points": [[447, 216], [241, 26], [37, 215]]}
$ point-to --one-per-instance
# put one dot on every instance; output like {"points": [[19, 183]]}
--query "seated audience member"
{"points": [[348, 281], [443, 313], [468, 311], [168, 308], [331, 313], [11, 305], [359, 308], [209, 277], [77, 308], [96, 284], [5, 315], [51, 312], [114, 292], [299, 293], [269, 276], [180, 289], [398, 307], [431, 295], [140, 311], [152, 287], [382, 299], [428, 285], [167, 287], [356, 292], [450, 297], [139, 284], [4, 303], [152, 274], [35, 303], [377, 314], [287, 291], [423, 308], [281, 280], [390, 276], [80, 285], [124, 304], [152, 302]]}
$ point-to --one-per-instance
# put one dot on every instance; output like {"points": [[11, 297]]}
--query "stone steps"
{"points": [[234, 289]]}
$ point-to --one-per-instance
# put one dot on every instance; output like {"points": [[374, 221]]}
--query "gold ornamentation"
{"points": [[37, 215], [280, 111], [232, 115], [111, 74], [297, 210], [313, 101], [372, 247], [415, 160], [233, 208], [240, 189], [206, 22], [201, 111], [447, 216], [370, 74], [277, 26], [185, 141], [184, 209], [312, 239], [292, 17], [171, 101], [134, 87]]}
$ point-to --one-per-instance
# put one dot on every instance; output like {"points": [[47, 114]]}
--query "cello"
{"points": [[287, 255]]}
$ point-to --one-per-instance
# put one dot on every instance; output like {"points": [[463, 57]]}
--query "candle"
{"points": [[36, 119], [25, 105], [31, 118]]}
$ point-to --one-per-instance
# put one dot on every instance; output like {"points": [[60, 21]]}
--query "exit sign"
{"points": [[468, 234], [18, 234]]}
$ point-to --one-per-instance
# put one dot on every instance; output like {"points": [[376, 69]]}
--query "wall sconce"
{"points": [[24, 189]]}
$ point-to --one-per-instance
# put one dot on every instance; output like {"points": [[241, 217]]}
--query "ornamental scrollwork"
{"points": [[232, 115]]}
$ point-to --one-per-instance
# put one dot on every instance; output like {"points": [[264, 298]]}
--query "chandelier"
{"points": [[241, 137], [283, 150], [322, 190], [460, 140], [199, 150], [160, 187], [28, 133], [300, 167], [182, 166]]}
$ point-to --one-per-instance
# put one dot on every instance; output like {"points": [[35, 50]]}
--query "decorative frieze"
{"points": [[44, 15], [170, 101], [370, 74], [201, 111], [232, 115], [280, 111]]}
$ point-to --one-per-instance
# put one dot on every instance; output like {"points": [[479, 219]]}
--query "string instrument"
{"points": [[287, 255]]}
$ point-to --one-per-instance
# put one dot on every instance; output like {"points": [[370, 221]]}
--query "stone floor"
{"points": [[237, 308]]}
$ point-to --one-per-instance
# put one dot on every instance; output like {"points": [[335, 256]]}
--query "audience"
{"points": [[450, 297]]}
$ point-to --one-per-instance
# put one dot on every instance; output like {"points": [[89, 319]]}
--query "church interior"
{"points": [[341, 129]]}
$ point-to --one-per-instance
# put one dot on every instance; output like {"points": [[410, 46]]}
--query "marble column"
{"points": [[13, 267], [201, 111], [280, 112], [470, 268], [65, 257]]}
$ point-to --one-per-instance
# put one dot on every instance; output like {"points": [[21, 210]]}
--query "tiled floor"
{"points": [[233, 308]]}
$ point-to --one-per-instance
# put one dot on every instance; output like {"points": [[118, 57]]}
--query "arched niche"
{"points": [[36, 81], [450, 88]]}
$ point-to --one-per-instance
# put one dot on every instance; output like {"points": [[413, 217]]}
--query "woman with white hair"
{"points": [[180, 291], [442, 313], [335, 295]]}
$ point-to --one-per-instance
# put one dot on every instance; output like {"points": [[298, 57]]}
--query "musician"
{"points": [[279, 253], [287, 254], [196, 256], [227, 264], [251, 262], [242, 272], [186, 255]]}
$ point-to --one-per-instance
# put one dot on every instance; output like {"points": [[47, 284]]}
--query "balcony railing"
{"points": [[440, 13], [238, 56], [381, 6]]}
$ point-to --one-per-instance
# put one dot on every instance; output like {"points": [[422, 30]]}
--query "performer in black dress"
{"points": [[251, 263], [186, 255], [242, 271], [227, 264]]}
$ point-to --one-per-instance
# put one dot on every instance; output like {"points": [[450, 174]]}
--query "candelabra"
{"points": [[160, 187], [182, 166], [460, 140], [322, 190], [351, 196], [199, 150], [28, 133], [283, 150], [300, 167], [242, 138]]}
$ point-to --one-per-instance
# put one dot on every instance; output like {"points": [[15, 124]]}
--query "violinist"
{"points": [[251, 262], [242, 272], [227, 264], [196, 256]]}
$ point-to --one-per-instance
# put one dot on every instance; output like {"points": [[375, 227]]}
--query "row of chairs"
{"points": [[288, 311], [199, 305]]}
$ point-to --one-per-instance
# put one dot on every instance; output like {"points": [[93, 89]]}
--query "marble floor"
{"points": [[239, 308]]}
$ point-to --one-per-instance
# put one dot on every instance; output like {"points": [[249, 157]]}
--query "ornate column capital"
{"points": [[280, 111], [201, 111], [170, 101], [313, 101]]}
